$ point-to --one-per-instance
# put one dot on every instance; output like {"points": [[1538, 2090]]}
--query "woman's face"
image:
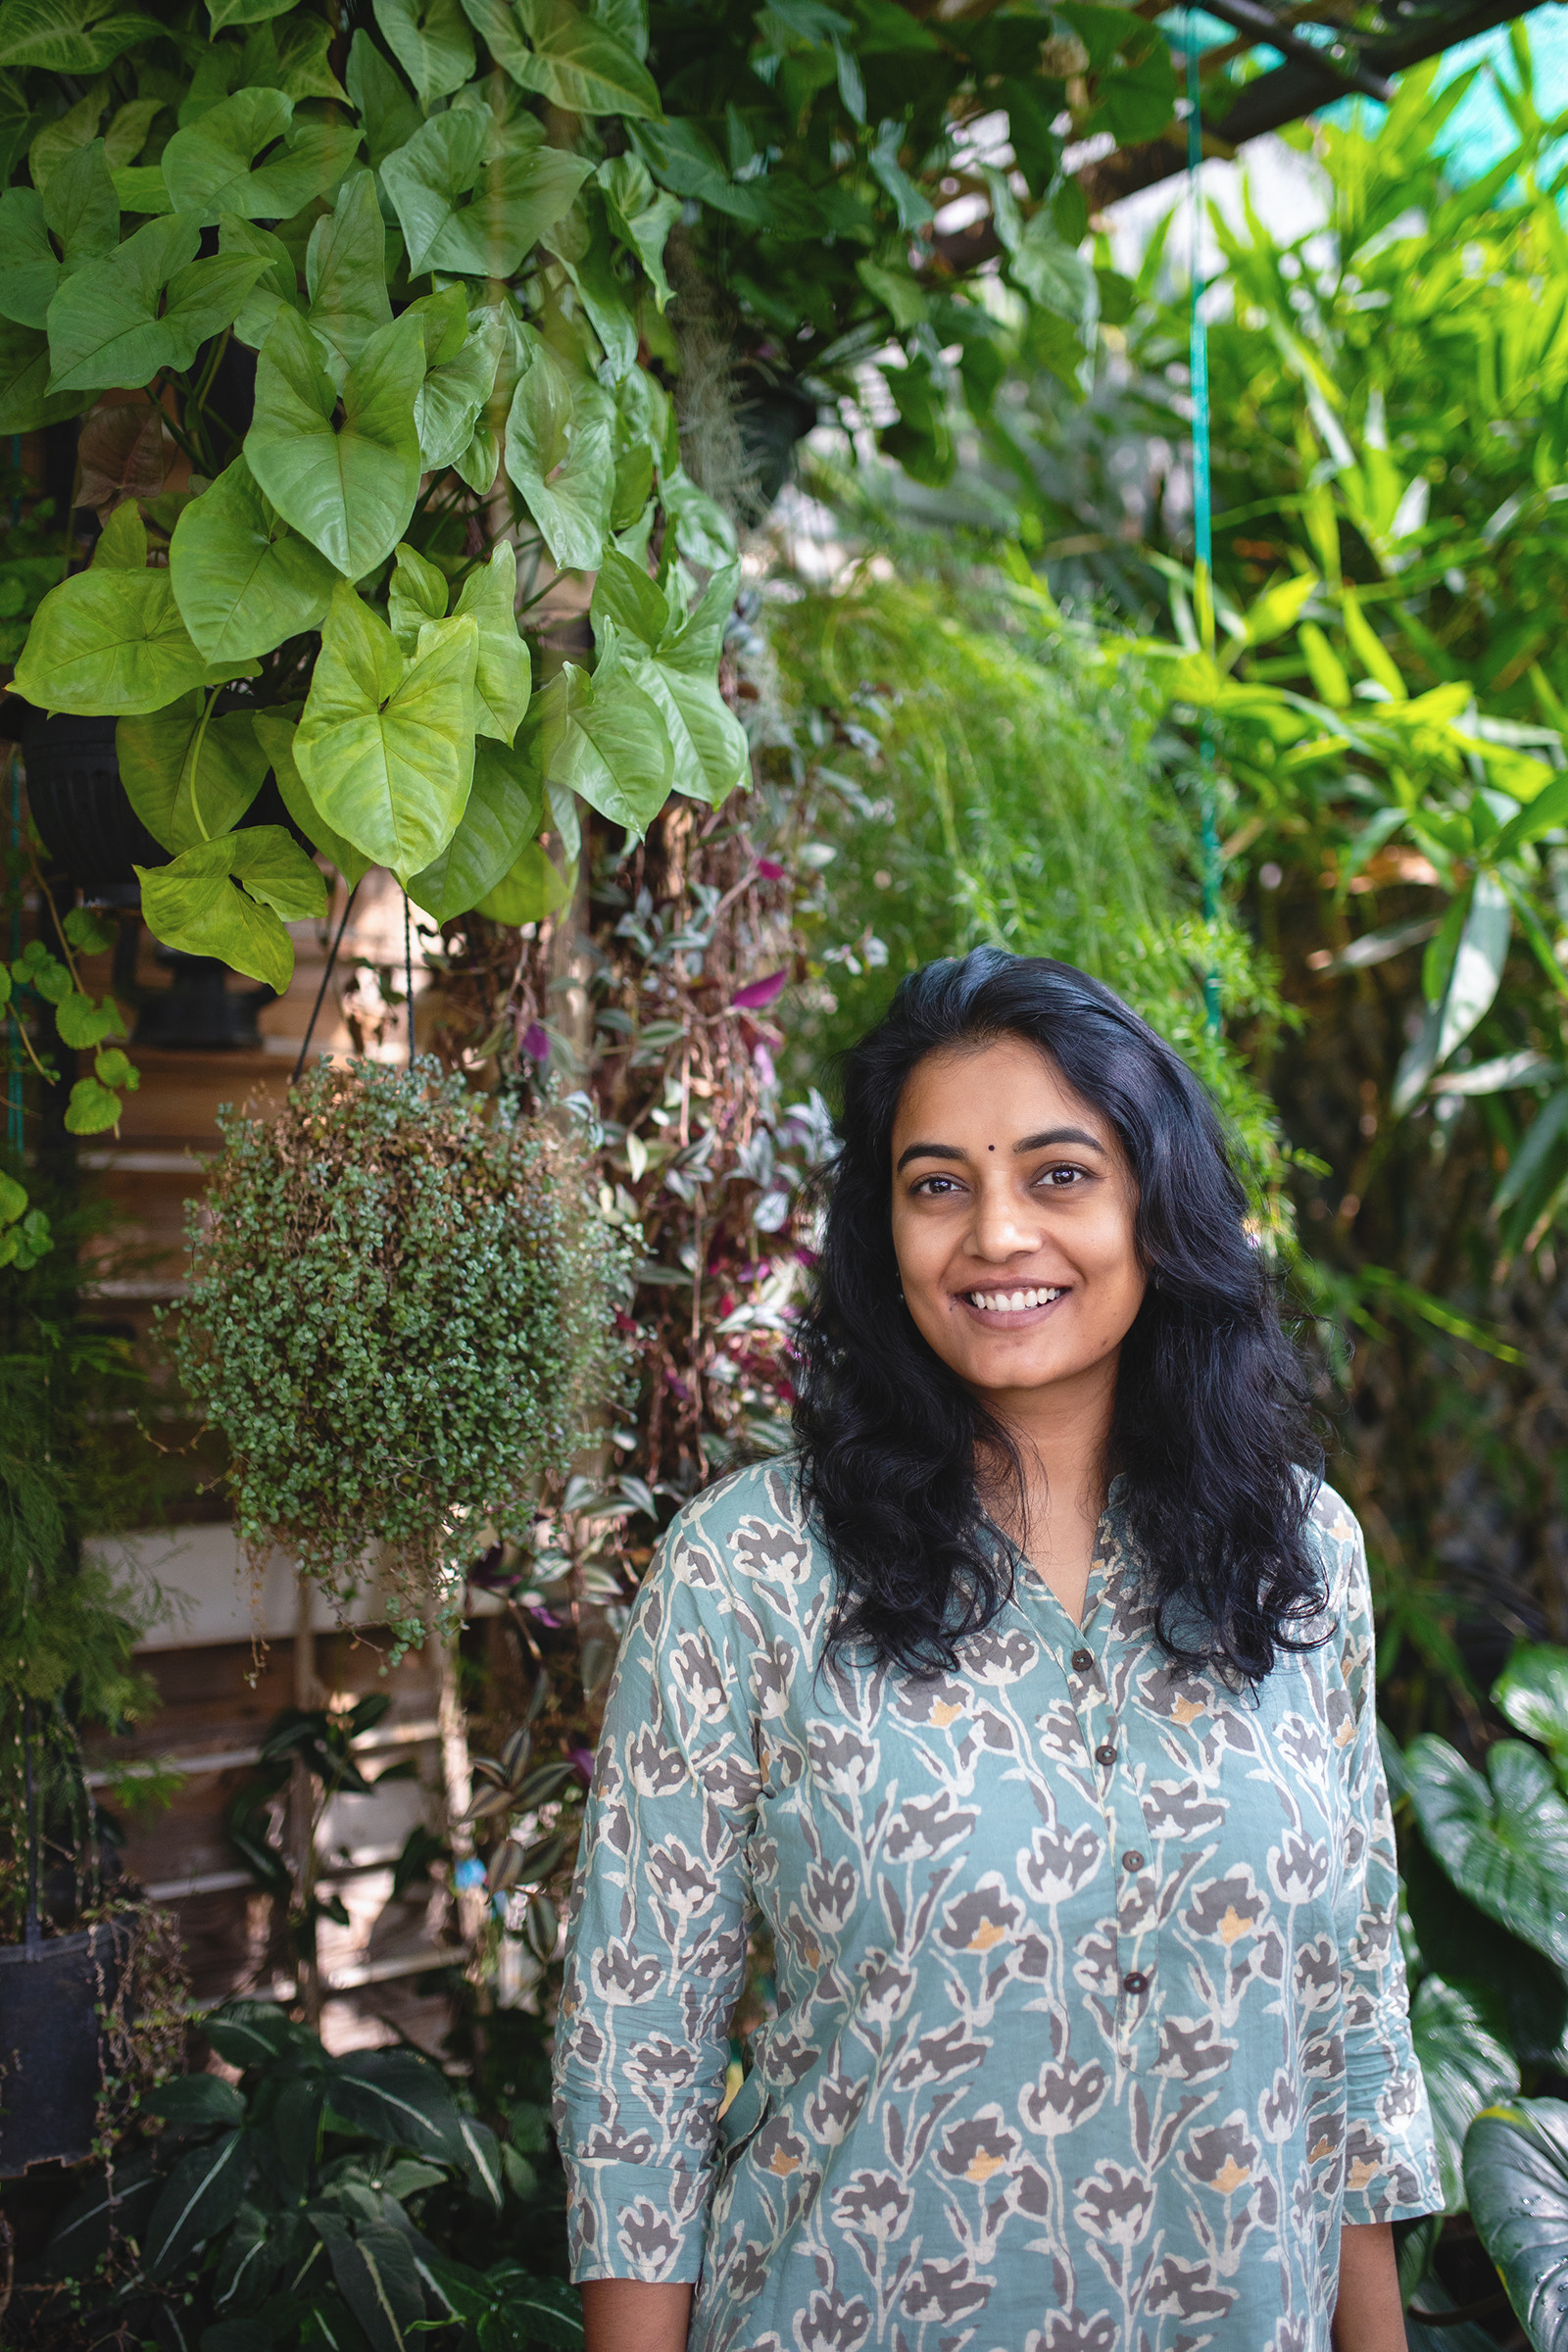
{"points": [[1012, 1223]]}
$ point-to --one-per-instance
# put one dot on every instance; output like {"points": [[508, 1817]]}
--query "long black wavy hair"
{"points": [[1212, 1429]]}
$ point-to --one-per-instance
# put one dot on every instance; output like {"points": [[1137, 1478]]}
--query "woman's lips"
{"points": [[1020, 1303]]}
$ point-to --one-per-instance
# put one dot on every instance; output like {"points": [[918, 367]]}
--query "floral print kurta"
{"points": [[1091, 2022]]}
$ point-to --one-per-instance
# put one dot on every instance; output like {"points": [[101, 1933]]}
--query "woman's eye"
{"points": [[932, 1185], [1061, 1179]]}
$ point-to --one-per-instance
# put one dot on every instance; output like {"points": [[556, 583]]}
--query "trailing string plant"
{"points": [[402, 1315]]}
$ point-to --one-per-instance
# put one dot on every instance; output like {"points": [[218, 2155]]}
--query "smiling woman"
{"points": [[1030, 1710]]}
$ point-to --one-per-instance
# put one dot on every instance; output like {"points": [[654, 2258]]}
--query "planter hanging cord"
{"points": [[1203, 502], [408, 970], [327, 974]]}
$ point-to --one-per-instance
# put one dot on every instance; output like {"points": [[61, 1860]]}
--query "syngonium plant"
{"points": [[444, 315]]}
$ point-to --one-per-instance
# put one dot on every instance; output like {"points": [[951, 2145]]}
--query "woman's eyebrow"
{"points": [[1058, 1135], [929, 1151]]}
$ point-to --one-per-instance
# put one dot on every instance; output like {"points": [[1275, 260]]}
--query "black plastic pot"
{"points": [[51, 2061], [198, 1013], [82, 810]]}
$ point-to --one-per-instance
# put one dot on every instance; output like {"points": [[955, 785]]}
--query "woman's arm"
{"points": [[622, 2315], [1368, 2316]]}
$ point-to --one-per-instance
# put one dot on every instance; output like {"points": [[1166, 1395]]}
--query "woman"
{"points": [[1029, 1708]]}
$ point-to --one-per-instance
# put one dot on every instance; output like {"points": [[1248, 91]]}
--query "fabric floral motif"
{"points": [[1092, 2026]]}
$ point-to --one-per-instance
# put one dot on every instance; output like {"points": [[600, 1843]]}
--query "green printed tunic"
{"points": [[1092, 2026]]}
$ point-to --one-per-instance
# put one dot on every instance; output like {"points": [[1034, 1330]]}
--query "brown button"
{"points": [[1082, 1660], [1132, 1859], [1135, 1983], [1106, 1753]]}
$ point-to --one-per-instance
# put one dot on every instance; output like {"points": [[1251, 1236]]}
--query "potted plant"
{"points": [[401, 1313], [74, 1936]]}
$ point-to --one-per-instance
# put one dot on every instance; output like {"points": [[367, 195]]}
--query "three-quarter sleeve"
{"points": [[1389, 2159], [657, 1950]]}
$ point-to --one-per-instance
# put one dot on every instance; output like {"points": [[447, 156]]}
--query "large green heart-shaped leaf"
{"points": [[516, 195], [1532, 1693], [532, 887], [69, 36], [457, 388], [25, 401], [559, 454], [581, 245], [578, 64], [1503, 1840], [191, 776], [276, 287], [243, 12], [231, 897], [379, 99], [605, 739], [386, 745], [345, 271], [415, 593], [502, 814], [275, 731], [675, 662], [107, 323], [430, 43], [108, 641], [244, 581], [77, 214], [503, 678], [1465, 2068], [641, 215], [349, 487], [209, 168], [1516, 2179]]}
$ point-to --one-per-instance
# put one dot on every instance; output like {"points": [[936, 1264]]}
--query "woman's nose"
{"points": [[1003, 1226]]}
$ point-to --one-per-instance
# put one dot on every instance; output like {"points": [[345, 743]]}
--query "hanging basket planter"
{"points": [[81, 808], [401, 1316]]}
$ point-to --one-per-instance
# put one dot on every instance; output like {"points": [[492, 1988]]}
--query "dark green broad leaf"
{"points": [[1516, 2176], [191, 774], [111, 2206], [231, 899], [200, 2197], [640, 215], [211, 168], [294, 2138], [480, 2159], [503, 812], [379, 97], [348, 485], [559, 453], [1532, 1693], [1522, 1996], [581, 245], [345, 271], [243, 580], [460, 378], [603, 738], [532, 887], [396, 2096], [1503, 1840], [1465, 2068], [385, 748], [577, 63], [275, 732], [250, 2261], [195, 2102], [1137, 101], [69, 36], [44, 238], [255, 2033], [431, 41], [27, 404], [677, 662], [147, 304], [375, 2274], [503, 673], [110, 642], [531, 2311], [473, 211]]}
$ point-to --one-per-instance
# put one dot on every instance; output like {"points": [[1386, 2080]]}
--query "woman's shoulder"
{"points": [[1335, 1533], [751, 1528]]}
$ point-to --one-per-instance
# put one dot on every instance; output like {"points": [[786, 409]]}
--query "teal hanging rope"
{"points": [[1203, 502]]}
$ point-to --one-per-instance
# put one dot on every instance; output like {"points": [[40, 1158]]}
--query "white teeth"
{"points": [[1011, 1302]]}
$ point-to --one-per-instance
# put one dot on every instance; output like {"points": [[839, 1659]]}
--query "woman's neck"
{"points": [[1061, 1435]]}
